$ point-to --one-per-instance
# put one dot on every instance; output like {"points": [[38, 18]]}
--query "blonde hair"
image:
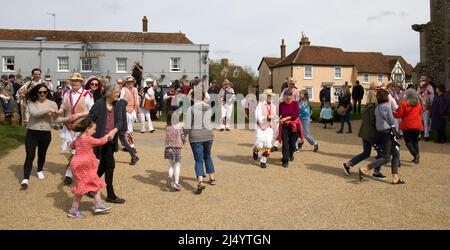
{"points": [[346, 90], [372, 97]]}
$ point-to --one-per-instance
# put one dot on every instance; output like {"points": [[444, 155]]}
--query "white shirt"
{"points": [[122, 94], [151, 93], [88, 99]]}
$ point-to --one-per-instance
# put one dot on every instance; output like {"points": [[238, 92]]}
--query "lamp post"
{"points": [[40, 39]]}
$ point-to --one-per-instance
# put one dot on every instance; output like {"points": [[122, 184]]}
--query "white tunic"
{"points": [[67, 136], [264, 128]]}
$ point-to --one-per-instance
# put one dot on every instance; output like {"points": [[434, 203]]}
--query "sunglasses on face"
{"points": [[94, 85], [42, 92]]}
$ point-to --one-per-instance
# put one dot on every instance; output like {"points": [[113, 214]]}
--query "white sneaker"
{"points": [[41, 175], [24, 183]]}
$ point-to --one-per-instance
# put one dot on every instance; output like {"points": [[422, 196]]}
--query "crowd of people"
{"points": [[96, 114]]}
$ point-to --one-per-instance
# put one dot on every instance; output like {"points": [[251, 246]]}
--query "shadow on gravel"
{"points": [[342, 156], [159, 179], [63, 200], [49, 167], [330, 170], [239, 159]]}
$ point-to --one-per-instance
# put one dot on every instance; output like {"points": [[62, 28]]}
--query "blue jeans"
{"points": [[367, 150], [306, 125], [346, 118], [202, 156], [387, 143]]}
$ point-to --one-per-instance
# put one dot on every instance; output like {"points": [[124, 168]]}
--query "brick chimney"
{"points": [[144, 24], [224, 62], [305, 40], [283, 49]]}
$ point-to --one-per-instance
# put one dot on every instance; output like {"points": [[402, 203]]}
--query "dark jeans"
{"points": [[386, 142], [346, 118], [412, 141], [106, 167], [202, 156], [35, 139], [289, 140], [125, 143], [442, 134], [7, 106], [367, 150], [357, 104]]}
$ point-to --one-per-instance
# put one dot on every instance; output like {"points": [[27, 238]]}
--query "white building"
{"points": [[167, 56]]}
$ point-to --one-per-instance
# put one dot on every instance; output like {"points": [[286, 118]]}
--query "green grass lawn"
{"points": [[11, 137], [316, 113]]}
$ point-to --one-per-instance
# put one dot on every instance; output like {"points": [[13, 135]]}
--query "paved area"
{"points": [[312, 194]]}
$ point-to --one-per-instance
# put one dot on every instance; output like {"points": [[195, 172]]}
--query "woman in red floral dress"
{"points": [[84, 166]]}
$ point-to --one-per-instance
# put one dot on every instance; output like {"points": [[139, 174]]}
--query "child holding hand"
{"points": [[84, 167]]}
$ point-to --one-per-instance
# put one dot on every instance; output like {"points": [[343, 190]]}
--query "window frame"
{"points": [[311, 97], [5, 64], [58, 60], [341, 73], [368, 78], [81, 64], [305, 77], [378, 77], [117, 65], [172, 68]]}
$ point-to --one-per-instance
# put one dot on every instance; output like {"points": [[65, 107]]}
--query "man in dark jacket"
{"points": [[357, 96], [439, 112], [325, 96]]}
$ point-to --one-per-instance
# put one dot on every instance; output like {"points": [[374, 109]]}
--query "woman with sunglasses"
{"points": [[42, 110], [95, 86]]}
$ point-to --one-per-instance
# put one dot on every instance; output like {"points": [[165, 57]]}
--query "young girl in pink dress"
{"points": [[84, 166]]}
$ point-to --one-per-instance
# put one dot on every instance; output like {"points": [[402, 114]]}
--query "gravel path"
{"points": [[312, 194]]}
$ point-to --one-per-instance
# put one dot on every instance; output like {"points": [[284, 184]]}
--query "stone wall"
{"points": [[435, 43]]}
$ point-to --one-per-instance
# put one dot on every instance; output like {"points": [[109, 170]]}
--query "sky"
{"points": [[243, 31]]}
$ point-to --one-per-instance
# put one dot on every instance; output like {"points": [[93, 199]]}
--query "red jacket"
{"points": [[411, 116]]}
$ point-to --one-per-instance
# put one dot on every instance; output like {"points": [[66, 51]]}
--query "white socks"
{"points": [[69, 173], [263, 159], [174, 169]]}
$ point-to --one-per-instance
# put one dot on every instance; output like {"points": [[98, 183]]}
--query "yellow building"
{"points": [[316, 66]]}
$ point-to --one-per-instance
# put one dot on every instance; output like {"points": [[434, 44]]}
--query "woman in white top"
{"points": [[42, 111]]}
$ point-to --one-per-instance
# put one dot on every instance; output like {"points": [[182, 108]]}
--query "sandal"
{"points": [[201, 186], [399, 182], [212, 182]]}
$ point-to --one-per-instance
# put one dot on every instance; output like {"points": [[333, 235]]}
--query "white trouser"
{"points": [[275, 134], [174, 171], [131, 118], [426, 122], [145, 114], [227, 111]]}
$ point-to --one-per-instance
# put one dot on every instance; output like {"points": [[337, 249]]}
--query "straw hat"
{"points": [[268, 92], [291, 80], [76, 77], [130, 79]]}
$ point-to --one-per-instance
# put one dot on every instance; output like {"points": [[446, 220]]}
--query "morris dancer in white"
{"points": [[149, 103], [227, 96], [76, 104], [265, 114], [131, 96]]}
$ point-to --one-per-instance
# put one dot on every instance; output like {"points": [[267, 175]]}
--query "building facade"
{"points": [[165, 56], [314, 67], [435, 44]]}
